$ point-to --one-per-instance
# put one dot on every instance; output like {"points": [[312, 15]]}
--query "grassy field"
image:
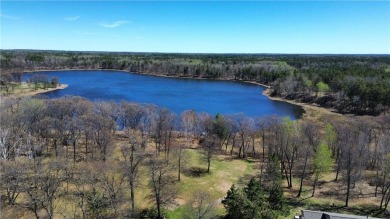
{"points": [[16, 88], [27, 89], [223, 174]]}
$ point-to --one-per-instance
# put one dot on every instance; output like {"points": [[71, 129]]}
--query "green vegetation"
{"points": [[257, 200], [322, 87], [322, 162]]}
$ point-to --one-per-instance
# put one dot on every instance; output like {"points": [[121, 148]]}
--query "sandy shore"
{"points": [[32, 92], [312, 112]]}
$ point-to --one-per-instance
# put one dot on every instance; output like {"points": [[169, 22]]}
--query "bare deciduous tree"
{"points": [[12, 177], [161, 182], [133, 154], [44, 185], [202, 205]]}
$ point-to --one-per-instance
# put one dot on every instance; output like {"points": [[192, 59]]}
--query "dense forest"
{"points": [[357, 84], [72, 158]]}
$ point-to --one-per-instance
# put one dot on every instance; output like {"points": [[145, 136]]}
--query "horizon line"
{"points": [[196, 53]]}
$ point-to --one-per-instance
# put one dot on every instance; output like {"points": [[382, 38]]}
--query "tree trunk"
{"points": [[243, 147], [337, 170], [384, 182], [263, 147], [208, 164], [290, 176], [387, 201], [132, 195], [227, 142], [12, 195], [384, 192], [36, 214], [284, 169], [131, 179], [104, 153], [314, 187], [36, 211], [338, 164], [51, 211], [209, 159], [55, 147], [348, 190], [178, 176], [158, 210], [233, 144], [253, 146], [74, 150], [86, 146], [169, 141], [376, 182], [302, 176]]}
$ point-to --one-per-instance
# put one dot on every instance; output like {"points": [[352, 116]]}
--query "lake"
{"points": [[176, 94]]}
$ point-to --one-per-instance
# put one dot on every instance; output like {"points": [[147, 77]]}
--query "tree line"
{"points": [[67, 149], [357, 84]]}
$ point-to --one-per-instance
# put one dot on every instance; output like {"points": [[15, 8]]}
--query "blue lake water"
{"points": [[176, 94]]}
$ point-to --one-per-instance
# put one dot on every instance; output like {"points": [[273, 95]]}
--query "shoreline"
{"points": [[73, 69], [31, 92], [309, 110]]}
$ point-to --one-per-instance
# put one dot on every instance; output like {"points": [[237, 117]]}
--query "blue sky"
{"points": [[349, 27]]}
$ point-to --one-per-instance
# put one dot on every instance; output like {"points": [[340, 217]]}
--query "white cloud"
{"points": [[84, 33], [9, 17], [71, 18], [112, 25]]}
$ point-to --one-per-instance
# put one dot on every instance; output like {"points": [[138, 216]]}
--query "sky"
{"points": [[319, 27]]}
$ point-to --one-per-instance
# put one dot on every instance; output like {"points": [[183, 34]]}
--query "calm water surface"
{"points": [[176, 94]]}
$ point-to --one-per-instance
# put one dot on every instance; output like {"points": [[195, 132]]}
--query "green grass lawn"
{"points": [[224, 172], [16, 88]]}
